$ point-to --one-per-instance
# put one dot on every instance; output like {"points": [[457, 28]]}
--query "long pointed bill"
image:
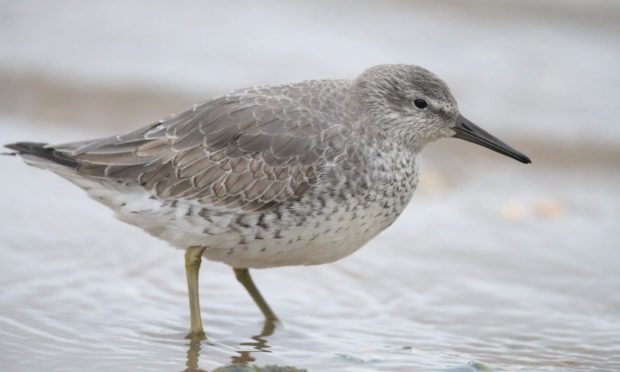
{"points": [[468, 131]]}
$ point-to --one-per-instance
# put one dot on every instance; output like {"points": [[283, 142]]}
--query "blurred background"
{"points": [[493, 265]]}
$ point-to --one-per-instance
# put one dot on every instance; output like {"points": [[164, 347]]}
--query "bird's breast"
{"points": [[329, 222]]}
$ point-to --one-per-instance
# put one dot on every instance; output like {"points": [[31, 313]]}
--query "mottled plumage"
{"points": [[302, 173], [251, 149]]}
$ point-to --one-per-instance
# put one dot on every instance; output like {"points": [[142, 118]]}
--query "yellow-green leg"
{"points": [[243, 276], [193, 257]]}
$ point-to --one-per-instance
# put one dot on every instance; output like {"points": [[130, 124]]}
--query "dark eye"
{"points": [[420, 103]]}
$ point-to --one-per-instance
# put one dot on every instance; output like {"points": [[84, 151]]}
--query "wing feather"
{"points": [[253, 149]]}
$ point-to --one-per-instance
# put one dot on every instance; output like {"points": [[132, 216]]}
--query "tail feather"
{"points": [[41, 155], [26, 147]]}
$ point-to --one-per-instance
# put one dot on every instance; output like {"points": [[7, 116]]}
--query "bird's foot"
{"points": [[196, 335]]}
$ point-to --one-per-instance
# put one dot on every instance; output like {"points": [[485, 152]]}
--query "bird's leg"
{"points": [[193, 257], [243, 276]]}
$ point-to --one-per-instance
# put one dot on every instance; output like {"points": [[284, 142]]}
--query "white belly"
{"points": [[251, 242], [316, 242]]}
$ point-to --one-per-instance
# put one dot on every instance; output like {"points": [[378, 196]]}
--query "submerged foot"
{"points": [[196, 335]]}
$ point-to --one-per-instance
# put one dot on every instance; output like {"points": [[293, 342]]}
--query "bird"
{"points": [[303, 173]]}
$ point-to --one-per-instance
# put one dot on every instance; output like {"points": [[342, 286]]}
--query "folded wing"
{"points": [[244, 150]]}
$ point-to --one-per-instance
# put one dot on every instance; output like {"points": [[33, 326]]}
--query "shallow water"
{"points": [[514, 267], [493, 266]]}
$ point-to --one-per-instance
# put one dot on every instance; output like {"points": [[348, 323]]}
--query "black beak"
{"points": [[469, 131]]}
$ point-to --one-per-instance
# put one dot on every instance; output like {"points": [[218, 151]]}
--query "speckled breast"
{"points": [[328, 223]]}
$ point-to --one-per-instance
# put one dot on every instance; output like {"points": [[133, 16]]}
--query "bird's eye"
{"points": [[420, 103]]}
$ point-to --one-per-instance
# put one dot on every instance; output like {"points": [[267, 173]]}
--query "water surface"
{"points": [[498, 263], [494, 265]]}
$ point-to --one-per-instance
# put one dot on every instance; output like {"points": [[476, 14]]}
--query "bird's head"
{"points": [[412, 104]]}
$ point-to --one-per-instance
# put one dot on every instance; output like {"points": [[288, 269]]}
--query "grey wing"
{"points": [[240, 151]]}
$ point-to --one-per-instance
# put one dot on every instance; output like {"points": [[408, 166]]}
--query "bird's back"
{"points": [[261, 172]]}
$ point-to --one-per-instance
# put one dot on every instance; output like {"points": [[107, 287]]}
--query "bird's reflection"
{"points": [[193, 356], [258, 345]]}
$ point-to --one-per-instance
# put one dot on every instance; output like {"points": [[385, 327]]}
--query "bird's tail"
{"points": [[42, 155]]}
